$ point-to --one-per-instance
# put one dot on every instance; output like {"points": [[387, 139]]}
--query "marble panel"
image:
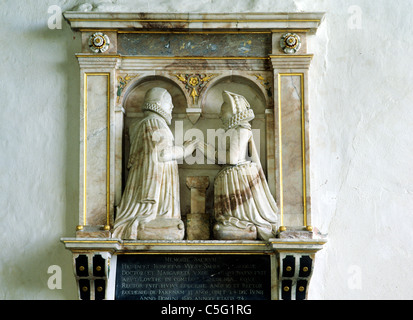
{"points": [[270, 149], [195, 44], [291, 154], [96, 157], [119, 123]]}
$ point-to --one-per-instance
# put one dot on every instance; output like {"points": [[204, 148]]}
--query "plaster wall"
{"points": [[361, 88]]}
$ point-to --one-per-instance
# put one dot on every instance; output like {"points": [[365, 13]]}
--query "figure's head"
{"points": [[235, 109], [159, 100]]}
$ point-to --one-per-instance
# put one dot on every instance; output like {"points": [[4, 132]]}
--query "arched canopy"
{"points": [[135, 93], [212, 99]]}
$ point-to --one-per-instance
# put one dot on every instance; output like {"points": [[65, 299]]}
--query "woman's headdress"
{"points": [[239, 107]]}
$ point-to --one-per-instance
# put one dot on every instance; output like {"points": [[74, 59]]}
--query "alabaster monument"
{"points": [[150, 206], [243, 205], [222, 217]]}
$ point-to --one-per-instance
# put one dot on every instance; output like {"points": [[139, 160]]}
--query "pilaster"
{"points": [[97, 144], [292, 138]]}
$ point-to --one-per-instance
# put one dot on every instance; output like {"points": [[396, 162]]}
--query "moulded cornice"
{"points": [[101, 61], [291, 61], [117, 21]]}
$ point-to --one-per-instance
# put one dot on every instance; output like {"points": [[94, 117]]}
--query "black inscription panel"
{"points": [[193, 277]]}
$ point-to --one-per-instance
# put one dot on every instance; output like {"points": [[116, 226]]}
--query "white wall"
{"points": [[361, 159]]}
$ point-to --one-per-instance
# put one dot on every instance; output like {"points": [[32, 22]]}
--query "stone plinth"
{"points": [[291, 261]]}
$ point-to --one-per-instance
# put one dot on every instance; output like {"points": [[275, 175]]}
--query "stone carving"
{"points": [[150, 206], [194, 83], [99, 42], [265, 83], [244, 207], [122, 82], [290, 43]]}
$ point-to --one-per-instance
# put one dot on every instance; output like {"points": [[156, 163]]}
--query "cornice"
{"points": [[121, 21]]}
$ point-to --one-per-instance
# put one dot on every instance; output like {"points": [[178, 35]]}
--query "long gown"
{"points": [[152, 187], [241, 193]]}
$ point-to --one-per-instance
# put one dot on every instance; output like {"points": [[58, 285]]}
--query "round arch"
{"points": [[247, 87], [134, 95]]}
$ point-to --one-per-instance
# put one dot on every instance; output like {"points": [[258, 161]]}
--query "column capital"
{"points": [[296, 61], [201, 183], [95, 61]]}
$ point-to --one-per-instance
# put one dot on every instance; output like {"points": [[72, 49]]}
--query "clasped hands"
{"points": [[191, 145]]}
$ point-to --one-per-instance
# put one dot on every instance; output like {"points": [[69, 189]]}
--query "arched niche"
{"points": [[135, 94], [132, 102], [212, 101]]}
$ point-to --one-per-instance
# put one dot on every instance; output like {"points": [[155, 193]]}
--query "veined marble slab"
{"points": [[194, 44]]}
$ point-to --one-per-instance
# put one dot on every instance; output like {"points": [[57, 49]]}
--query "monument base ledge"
{"points": [[291, 261], [118, 246]]}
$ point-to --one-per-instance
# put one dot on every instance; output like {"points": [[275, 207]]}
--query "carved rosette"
{"points": [[99, 42], [290, 43]]}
